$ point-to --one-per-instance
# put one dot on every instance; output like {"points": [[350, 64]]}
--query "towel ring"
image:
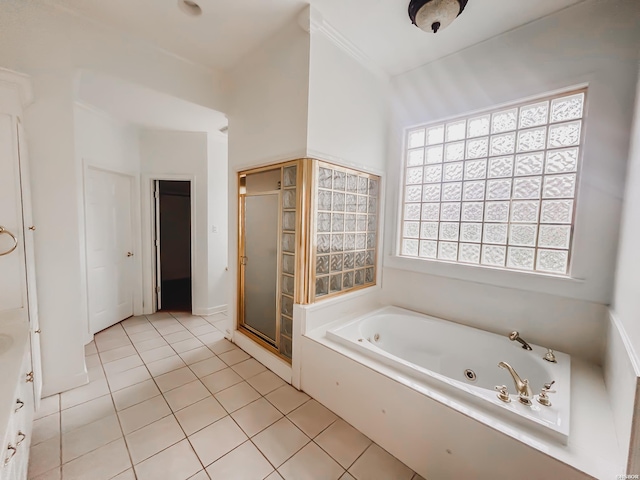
{"points": [[15, 240]]}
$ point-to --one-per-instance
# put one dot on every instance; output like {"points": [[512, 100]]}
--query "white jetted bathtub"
{"points": [[462, 362]]}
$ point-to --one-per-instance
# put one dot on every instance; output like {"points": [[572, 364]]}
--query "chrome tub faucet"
{"points": [[525, 394], [515, 337]]}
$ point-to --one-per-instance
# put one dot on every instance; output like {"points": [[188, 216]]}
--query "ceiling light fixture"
{"points": [[190, 7], [434, 15]]}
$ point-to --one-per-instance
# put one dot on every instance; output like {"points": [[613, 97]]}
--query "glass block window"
{"points": [[346, 229], [496, 188]]}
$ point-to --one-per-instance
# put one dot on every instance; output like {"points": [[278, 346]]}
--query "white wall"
{"points": [[348, 108], [622, 365], [50, 44], [104, 142], [267, 118], [594, 42]]}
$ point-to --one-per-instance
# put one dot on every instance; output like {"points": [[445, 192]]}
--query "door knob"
{"points": [[129, 254]]}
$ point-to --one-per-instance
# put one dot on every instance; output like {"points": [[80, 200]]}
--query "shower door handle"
{"points": [[244, 260]]}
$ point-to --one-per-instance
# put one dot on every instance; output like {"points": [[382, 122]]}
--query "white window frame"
{"points": [[576, 286]]}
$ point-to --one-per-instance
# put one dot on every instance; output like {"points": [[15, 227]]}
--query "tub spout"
{"points": [[522, 386], [515, 337]]}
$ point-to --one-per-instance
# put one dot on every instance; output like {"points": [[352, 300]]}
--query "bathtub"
{"points": [[461, 363]]}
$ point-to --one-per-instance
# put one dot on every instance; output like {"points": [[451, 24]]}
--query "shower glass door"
{"points": [[260, 264]]}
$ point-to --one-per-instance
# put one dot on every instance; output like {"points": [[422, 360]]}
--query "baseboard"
{"points": [[62, 384], [210, 311]]}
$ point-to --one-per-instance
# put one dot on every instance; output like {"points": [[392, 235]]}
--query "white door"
{"points": [[109, 248]]}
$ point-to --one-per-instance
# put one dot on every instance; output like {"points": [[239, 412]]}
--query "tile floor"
{"points": [[170, 399]]}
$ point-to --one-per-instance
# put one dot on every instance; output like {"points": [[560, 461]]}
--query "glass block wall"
{"points": [[495, 189], [288, 267], [346, 229]]}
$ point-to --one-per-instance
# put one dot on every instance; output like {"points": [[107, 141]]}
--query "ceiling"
{"points": [[229, 29]]}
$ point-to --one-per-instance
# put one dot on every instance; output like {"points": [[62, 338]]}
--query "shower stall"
{"points": [[308, 230]]}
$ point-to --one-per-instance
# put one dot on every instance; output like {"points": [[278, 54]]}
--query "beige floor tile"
{"points": [[245, 462], [45, 428], [150, 345], [266, 382], [141, 327], [135, 394], [171, 328], [237, 396], [125, 379], [86, 413], [157, 353], [347, 476], [175, 379], [192, 321], [44, 457], [143, 414], [131, 321], [208, 366], [202, 329], [186, 345], [48, 405], [249, 368], [256, 416], [178, 462], [343, 442], [153, 438], [234, 356], [218, 381], [90, 348], [311, 463], [186, 395], [95, 373], [274, 476], [123, 364], [216, 440], [201, 475], [55, 474], [196, 355], [178, 336], [165, 365], [312, 418], [417, 477], [144, 336], [90, 437], [280, 441], [126, 475], [217, 343], [377, 464], [199, 415], [84, 393], [92, 361], [101, 464], [110, 344], [117, 353], [286, 398]]}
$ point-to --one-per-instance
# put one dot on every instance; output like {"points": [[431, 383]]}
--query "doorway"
{"points": [[173, 245], [110, 266]]}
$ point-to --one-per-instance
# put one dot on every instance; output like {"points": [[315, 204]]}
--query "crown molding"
{"points": [[313, 22], [20, 82]]}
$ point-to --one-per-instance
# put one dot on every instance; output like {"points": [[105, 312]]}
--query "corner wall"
{"points": [[593, 42], [49, 44]]}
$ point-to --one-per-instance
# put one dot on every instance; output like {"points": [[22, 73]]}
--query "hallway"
{"points": [[170, 398]]}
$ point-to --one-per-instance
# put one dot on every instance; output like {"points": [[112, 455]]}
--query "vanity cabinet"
{"points": [[20, 368]]}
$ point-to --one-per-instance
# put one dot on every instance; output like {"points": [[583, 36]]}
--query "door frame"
{"points": [[135, 233], [149, 267]]}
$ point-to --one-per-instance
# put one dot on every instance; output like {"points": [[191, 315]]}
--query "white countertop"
{"points": [[14, 340]]}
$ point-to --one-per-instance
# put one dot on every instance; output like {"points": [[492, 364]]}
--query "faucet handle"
{"points": [[550, 356], [503, 393], [543, 398]]}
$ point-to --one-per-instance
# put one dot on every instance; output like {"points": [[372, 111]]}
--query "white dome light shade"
{"points": [[434, 15]]}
